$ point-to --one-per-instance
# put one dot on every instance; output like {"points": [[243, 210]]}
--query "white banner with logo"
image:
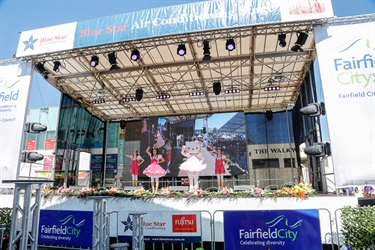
{"points": [[45, 40], [163, 226], [15, 81], [347, 66]]}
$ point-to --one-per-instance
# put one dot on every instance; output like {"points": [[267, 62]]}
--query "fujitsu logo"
{"points": [[183, 221]]}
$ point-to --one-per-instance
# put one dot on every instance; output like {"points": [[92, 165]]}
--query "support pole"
{"points": [[28, 214], [138, 242], [100, 234]]}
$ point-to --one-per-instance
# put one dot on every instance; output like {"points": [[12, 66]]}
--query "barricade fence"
{"points": [[209, 233]]}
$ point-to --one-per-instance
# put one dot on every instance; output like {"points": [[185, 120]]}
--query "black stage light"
{"points": [[94, 61], [181, 50], [134, 55], [206, 50], [230, 45], [40, 68], [56, 66], [139, 94], [269, 115], [217, 88], [281, 38], [122, 124], [112, 58], [301, 40]]}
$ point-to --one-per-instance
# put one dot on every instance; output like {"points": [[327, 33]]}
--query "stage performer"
{"points": [[137, 160], [154, 170], [194, 164], [220, 160]]}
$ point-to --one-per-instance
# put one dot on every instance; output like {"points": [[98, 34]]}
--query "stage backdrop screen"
{"points": [[212, 131], [346, 60], [272, 229]]}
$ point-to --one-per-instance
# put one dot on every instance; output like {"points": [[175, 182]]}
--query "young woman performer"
{"points": [[154, 170], [220, 159]]}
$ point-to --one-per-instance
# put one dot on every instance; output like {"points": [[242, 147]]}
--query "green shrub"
{"points": [[5, 219], [358, 227]]}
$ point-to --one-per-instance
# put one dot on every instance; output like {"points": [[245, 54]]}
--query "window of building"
{"points": [[265, 163], [287, 162]]}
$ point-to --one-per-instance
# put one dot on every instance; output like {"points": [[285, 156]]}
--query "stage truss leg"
{"points": [[28, 214], [100, 240], [138, 242]]}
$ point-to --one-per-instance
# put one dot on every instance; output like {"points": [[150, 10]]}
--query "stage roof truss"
{"points": [[257, 62]]}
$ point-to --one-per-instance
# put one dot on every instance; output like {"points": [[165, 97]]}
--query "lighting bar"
{"points": [[163, 96], [98, 101], [128, 99], [198, 93], [232, 91], [272, 88]]}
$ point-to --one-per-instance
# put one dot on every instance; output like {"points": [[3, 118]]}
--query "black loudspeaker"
{"points": [[269, 115], [122, 124], [139, 94], [217, 88], [204, 130]]}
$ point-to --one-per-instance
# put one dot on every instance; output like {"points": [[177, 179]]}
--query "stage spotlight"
{"points": [[40, 68], [281, 38], [206, 50], [135, 55], [181, 50], [139, 94], [122, 124], [112, 58], [56, 66], [94, 61], [230, 45], [269, 115], [301, 40], [313, 109], [217, 88], [232, 91]]}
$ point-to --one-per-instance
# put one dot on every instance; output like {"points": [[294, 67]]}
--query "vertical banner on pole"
{"points": [[15, 79], [346, 60]]}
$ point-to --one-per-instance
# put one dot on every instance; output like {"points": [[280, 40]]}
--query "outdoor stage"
{"points": [[210, 208]]}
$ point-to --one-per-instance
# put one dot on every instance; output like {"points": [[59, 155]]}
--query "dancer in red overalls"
{"points": [[219, 167], [134, 168]]}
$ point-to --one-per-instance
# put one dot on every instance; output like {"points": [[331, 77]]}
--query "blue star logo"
{"points": [[128, 224], [30, 43]]}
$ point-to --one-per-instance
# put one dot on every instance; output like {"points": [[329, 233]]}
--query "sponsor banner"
{"points": [[30, 145], [186, 18], [67, 228], [346, 59], [96, 161], [45, 40], [278, 229], [207, 15], [50, 144], [163, 227], [47, 162], [15, 81]]}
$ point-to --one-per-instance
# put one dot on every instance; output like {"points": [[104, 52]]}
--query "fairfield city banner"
{"points": [[15, 78], [65, 228], [346, 56], [272, 229]]}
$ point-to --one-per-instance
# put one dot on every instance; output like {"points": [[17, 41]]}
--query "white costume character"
{"points": [[194, 164]]}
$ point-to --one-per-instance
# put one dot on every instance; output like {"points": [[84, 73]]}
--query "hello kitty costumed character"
{"points": [[194, 164]]}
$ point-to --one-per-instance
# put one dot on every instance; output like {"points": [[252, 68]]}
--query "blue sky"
{"points": [[22, 15]]}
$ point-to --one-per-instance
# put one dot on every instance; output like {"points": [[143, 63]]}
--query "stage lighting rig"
{"points": [[230, 44], [56, 66], [301, 40], [134, 55], [181, 49], [94, 61], [281, 38]]}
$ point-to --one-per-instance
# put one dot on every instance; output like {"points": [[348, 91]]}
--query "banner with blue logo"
{"points": [[68, 228], [272, 229]]}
